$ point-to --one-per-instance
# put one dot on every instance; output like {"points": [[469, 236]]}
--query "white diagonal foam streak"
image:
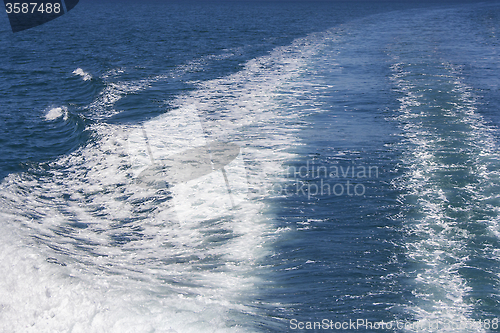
{"points": [[86, 234]]}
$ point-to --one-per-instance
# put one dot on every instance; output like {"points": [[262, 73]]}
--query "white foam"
{"points": [[57, 112], [437, 242], [85, 76], [131, 264], [103, 106]]}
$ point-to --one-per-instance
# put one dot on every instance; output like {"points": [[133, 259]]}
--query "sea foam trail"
{"points": [[103, 107], [450, 203], [450, 185], [81, 232]]}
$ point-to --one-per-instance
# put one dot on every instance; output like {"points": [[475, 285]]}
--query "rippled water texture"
{"points": [[251, 167]]}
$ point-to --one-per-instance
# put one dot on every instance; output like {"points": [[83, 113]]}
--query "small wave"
{"points": [[58, 112], [86, 76]]}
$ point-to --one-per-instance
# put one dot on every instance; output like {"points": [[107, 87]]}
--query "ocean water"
{"points": [[251, 167]]}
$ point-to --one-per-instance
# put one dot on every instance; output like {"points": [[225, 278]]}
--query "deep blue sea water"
{"points": [[363, 194]]}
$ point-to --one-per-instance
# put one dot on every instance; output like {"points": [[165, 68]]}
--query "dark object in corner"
{"points": [[26, 15]]}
